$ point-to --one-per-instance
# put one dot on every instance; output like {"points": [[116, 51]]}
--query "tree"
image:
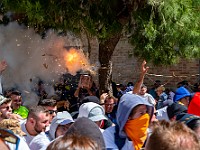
{"points": [[162, 31]]}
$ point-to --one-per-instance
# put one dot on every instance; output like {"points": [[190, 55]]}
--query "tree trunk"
{"points": [[106, 50]]}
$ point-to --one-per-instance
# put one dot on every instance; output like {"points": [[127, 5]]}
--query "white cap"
{"points": [[93, 111], [3, 99]]}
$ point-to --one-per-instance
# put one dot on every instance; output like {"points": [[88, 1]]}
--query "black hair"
{"points": [[194, 124], [47, 102]]}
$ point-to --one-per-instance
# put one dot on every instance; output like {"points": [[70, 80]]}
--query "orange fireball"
{"points": [[75, 60]]}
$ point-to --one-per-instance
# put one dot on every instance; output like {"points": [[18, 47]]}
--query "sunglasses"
{"points": [[7, 107], [8, 136], [52, 111]]}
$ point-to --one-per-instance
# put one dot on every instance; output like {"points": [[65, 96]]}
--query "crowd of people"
{"points": [[132, 118]]}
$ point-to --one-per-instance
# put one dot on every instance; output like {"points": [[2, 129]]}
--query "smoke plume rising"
{"points": [[31, 58]]}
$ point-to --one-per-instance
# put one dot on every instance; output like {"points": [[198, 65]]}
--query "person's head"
{"points": [[133, 114], [197, 87], [131, 106], [38, 120], [60, 124], [87, 128], [174, 109], [157, 83], [160, 90], [182, 83], [74, 142], [5, 107], [16, 99], [192, 121], [90, 99], [172, 136], [109, 103], [50, 105], [182, 95], [93, 111], [133, 118], [143, 89], [195, 126], [138, 111]]}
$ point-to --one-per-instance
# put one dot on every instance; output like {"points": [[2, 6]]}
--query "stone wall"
{"points": [[126, 68]]}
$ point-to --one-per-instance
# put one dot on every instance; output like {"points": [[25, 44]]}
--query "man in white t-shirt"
{"points": [[37, 121], [59, 126], [147, 96]]}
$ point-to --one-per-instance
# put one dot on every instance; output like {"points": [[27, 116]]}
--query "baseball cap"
{"points": [[3, 99], [186, 118], [62, 118], [91, 99], [175, 109], [93, 111]]}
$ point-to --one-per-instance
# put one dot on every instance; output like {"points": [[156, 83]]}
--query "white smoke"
{"points": [[30, 58]]}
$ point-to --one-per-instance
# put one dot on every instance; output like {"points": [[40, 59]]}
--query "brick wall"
{"points": [[126, 68]]}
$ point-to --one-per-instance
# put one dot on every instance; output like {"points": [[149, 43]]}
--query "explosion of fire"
{"points": [[75, 60]]}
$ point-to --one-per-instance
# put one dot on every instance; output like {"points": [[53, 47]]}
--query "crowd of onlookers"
{"points": [[133, 117]]}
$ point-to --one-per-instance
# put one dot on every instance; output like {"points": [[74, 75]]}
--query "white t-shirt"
{"points": [[22, 145], [27, 137], [162, 114], [149, 98], [39, 141], [109, 139]]}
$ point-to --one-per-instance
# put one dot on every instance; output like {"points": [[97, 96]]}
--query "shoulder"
{"points": [[162, 114], [39, 141], [23, 145], [109, 138]]}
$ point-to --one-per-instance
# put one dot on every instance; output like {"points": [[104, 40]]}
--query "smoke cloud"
{"points": [[31, 58]]}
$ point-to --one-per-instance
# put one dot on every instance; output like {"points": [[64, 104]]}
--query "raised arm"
{"points": [[138, 84]]}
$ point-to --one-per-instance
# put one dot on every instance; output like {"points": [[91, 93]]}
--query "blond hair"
{"points": [[172, 136], [13, 125]]}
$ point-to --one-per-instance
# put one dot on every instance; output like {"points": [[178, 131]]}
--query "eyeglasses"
{"points": [[110, 104], [8, 136], [52, 111], [7, 107]]}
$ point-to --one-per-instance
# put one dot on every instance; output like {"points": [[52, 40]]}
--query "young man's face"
{"points": [[16, 101], [41, 122], [6, 110], [185, 101], [52, 112], [62, 129], [109, 105], [143, 90], [138, 112]]}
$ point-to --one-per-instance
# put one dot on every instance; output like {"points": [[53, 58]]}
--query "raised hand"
{"points": [[144, 68]]}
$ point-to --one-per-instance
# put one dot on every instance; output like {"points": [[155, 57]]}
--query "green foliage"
{"points": [[162, 31], [167, 30], [96, 17]]}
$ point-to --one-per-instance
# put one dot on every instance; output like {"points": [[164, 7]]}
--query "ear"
{"points": [[32, 121]]}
